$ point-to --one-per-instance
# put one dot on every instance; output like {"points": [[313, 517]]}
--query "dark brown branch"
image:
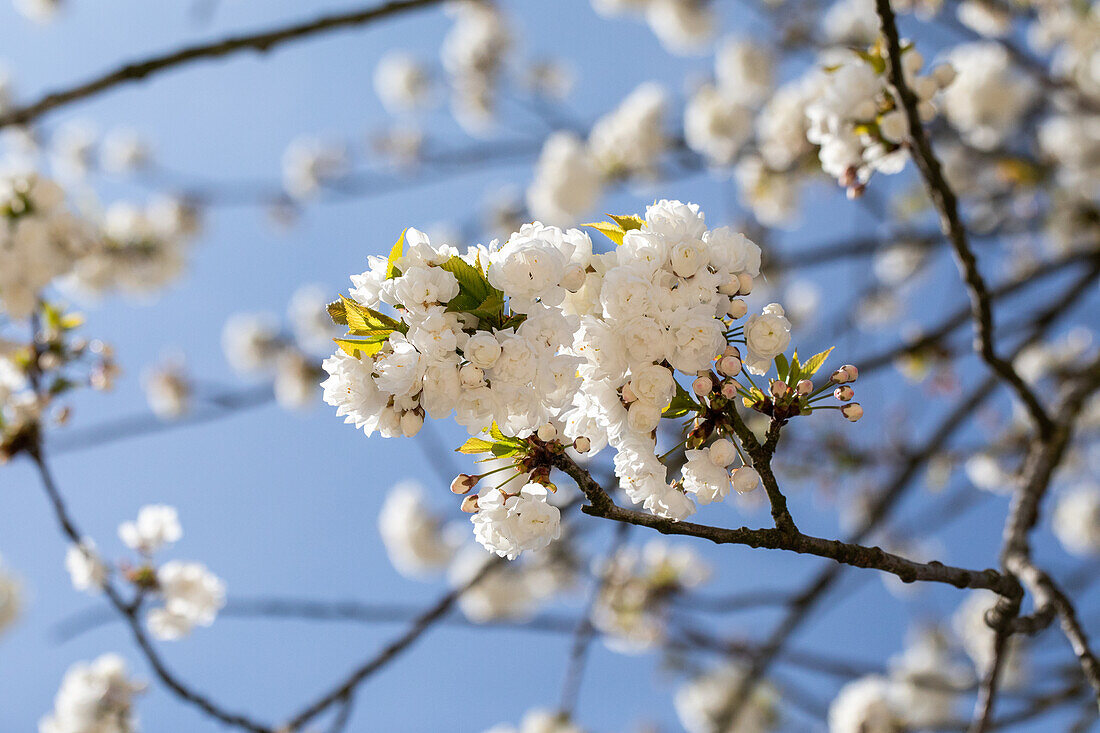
{"points": [[946, 203], [261, 42], [129, 613]]}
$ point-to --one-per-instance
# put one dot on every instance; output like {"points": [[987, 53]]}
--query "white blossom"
{"points": [[94, 697], [156, 525]]}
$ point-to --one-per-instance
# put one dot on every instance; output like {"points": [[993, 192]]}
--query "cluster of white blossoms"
{"points": [[857, 119], [719, 117], [539, 721], [138, 249], [11, 597], [919, 691], [988, 98], [1076, 520], [190, 595], [256, 345], [631, 607], [571, 173], [94, 697], [401, 82], [682, 26], [309, 164], [540, 342], [473, 54], [40, 240], [701, 702]]}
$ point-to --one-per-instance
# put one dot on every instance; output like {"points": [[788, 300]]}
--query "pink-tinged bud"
{"points": [[702, 386], [574, 277], [731, 287], [732, 351], [804, 387], [844, 393], [745, 479], [840, 377], [628, 394], [737, 308], [547, 433], [469, 504], [729, 390], [729, 366], [852, 411], [411, 423], [778, 389], [582, 444], [851, 371], [744, 281], [463, 483]]}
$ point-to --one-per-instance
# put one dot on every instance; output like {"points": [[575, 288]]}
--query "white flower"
{"points": [[987, 98], [192, 597], [628, 140], [295, 380], [157, 525], [863, 706], [566, 184], [528, 268], [766, 336], [87, 571], [309, 163], [539, 721], [482, 350], [1076, 520], [421, 286], [643, 417], [654, 385], [401, 82], [744, 70], [168, 391], [509, 525], [722, 452], [350, 388], [399, 370], [701, 702], [702, 477], [94, 697], [250, 341], [716, 126], [413, 537]]}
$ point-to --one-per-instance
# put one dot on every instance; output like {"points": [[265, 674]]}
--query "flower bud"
{"points": [[744, 281], [851, 371], [469, 504], [731, 287], [729, 366], [844, 393], [482, 349], [736, 308], [853, 411], [463, 483], [745, 479], [729, 389], [778, 389], [840, 377], [722, 452], [582, 444], [804, 387], [944, 74], [702, 386], [926, 111], [471, 376], [574, 277], [547, 433], [732, 351], [411, 423]]}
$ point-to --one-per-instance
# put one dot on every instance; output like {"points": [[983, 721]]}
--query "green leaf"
{"points": [[367, 345], [612, 231], [503, 450], [496, 432], [337, 313], [362, 320], [816, 362], [628, 222], [795, 373], [491, 309], [475, 445], [395, 254], [782, 366], [681, 404]]}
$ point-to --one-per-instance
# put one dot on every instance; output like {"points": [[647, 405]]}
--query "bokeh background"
{"points": [[285, 504]]}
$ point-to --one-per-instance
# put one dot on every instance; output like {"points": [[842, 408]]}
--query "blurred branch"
{"points": [[261, 42]]}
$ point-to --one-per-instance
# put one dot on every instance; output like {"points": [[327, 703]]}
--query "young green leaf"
{"points": [[475, 445], [612, 231], [395, 254], [815, 362], [627, 222]]}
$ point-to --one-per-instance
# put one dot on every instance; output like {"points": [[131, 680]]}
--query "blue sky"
{"points": [[286, 504]]}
